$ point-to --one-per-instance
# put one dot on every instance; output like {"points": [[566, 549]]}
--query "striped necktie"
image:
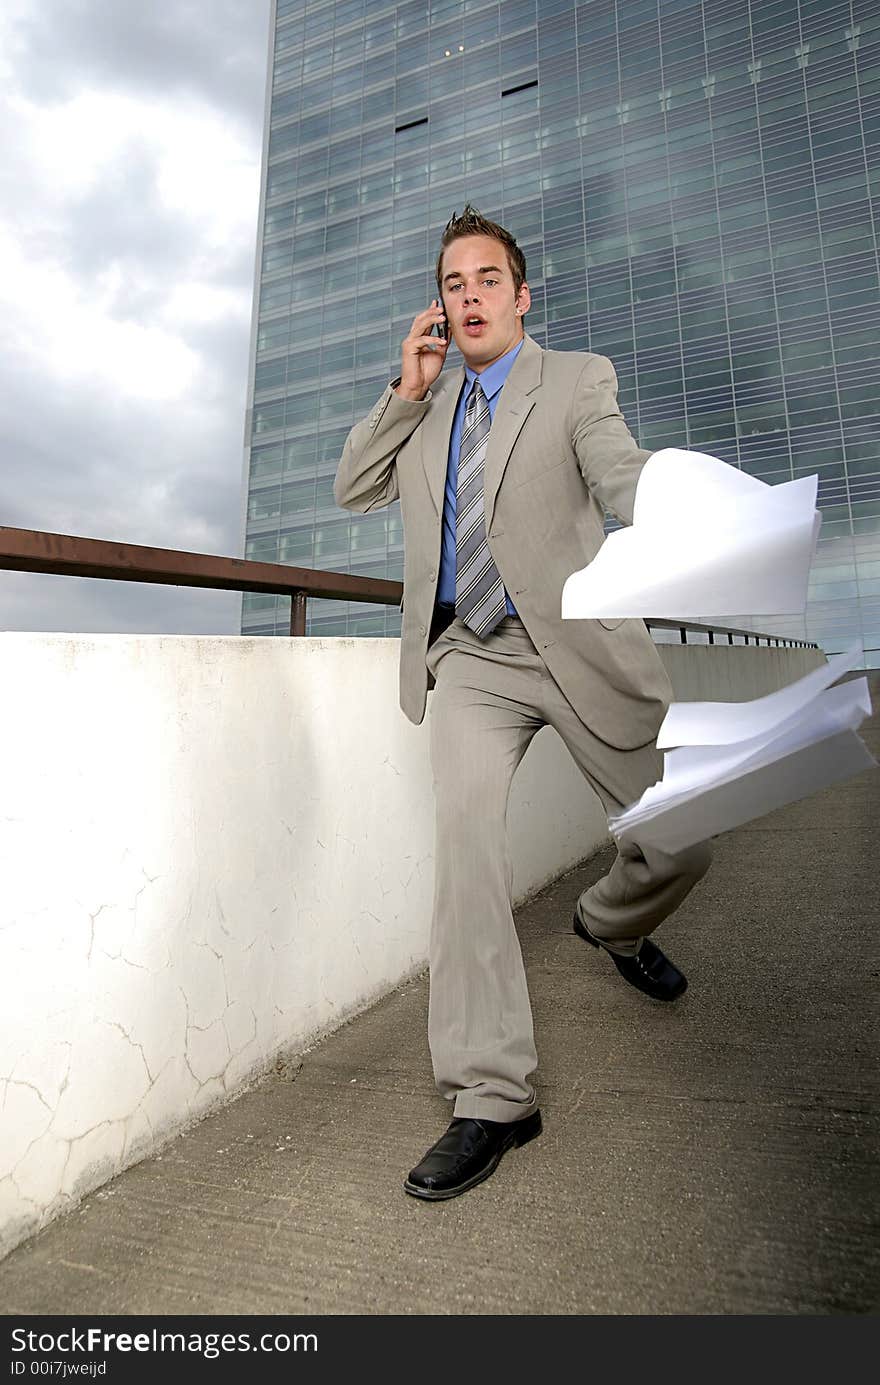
{"points": [[479, 592]]}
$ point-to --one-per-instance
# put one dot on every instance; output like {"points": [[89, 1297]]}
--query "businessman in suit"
{"points": [[504, 469]]}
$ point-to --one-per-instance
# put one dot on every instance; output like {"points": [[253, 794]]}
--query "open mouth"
{"points": [[473, 324]]}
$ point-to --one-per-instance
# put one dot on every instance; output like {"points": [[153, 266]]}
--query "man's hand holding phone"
{"points": [[422, 354]]}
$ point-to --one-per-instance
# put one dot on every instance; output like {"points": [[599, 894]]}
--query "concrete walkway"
{"points": [[714, 1156]]}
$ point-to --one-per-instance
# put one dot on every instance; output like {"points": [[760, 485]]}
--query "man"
{"points": [[503, 470]]}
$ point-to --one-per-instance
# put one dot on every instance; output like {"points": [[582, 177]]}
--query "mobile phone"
{"points": [[441, 326]]}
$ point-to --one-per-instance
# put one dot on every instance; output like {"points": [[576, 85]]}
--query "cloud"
{"points": [[214, 49], [130, 190]]}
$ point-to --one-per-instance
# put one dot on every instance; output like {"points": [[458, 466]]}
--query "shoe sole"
{"points": [[517, 1139], [582, 931]]}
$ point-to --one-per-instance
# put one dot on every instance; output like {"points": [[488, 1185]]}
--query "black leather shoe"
{"points": [[468, 1152], [650, 970]]}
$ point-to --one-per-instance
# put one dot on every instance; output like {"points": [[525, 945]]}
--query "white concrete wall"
{"points": [[213, 850], [734, 673]]}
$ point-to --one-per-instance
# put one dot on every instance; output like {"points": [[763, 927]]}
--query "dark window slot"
{"points": [[523, 86], [411, 124]]}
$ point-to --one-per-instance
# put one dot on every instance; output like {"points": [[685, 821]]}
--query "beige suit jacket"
{"points": [[559, 453]]}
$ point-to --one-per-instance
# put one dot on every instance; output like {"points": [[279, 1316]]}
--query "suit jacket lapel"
{"points": [[436, 431], [513, 408]]}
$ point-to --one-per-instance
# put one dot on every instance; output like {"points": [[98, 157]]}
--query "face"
{"points": [[483, 310]]}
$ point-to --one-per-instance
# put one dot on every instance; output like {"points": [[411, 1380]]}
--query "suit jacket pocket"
{"points": [[544, 472], [611, 624]]}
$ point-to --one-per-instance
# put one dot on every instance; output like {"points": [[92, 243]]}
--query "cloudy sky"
{"points": [[131, 133]]}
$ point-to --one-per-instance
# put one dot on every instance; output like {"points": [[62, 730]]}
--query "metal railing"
{"points": [[692, 627], [35, 550]]}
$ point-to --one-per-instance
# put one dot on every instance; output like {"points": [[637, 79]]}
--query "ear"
{"points": [[523, 300]]}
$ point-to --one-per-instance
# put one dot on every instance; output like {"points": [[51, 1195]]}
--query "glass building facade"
{"points": [[696, 187]]}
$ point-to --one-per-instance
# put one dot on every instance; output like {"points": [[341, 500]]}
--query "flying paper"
{"points": [[706, 540], [735, 761]]}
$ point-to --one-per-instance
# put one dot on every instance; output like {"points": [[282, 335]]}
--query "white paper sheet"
{"points": [[689, 767], [733, 762], [724, 806], [706, 540], [719, 723]]}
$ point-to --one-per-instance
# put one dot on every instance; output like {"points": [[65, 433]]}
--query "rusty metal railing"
{"points": [[35, 550]]}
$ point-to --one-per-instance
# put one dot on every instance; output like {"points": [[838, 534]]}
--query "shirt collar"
{"points": [[494, 376]]}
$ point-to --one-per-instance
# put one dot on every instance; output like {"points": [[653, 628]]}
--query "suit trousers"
{"points": [[491, 697]]}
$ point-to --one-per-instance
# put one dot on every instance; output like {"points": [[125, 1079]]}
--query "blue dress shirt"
{"points": [[492, 380]]}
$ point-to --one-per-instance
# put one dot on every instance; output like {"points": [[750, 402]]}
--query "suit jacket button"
{"points": [[422, 630]]}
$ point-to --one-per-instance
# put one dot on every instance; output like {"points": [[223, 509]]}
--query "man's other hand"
{"points": [[422, 355]]}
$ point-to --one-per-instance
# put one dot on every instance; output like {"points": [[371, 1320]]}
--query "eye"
{"points": [[453, 288], [490, 282]]}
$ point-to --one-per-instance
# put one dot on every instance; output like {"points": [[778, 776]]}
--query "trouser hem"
{"points": [[492, 1108], [624, 947]]}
